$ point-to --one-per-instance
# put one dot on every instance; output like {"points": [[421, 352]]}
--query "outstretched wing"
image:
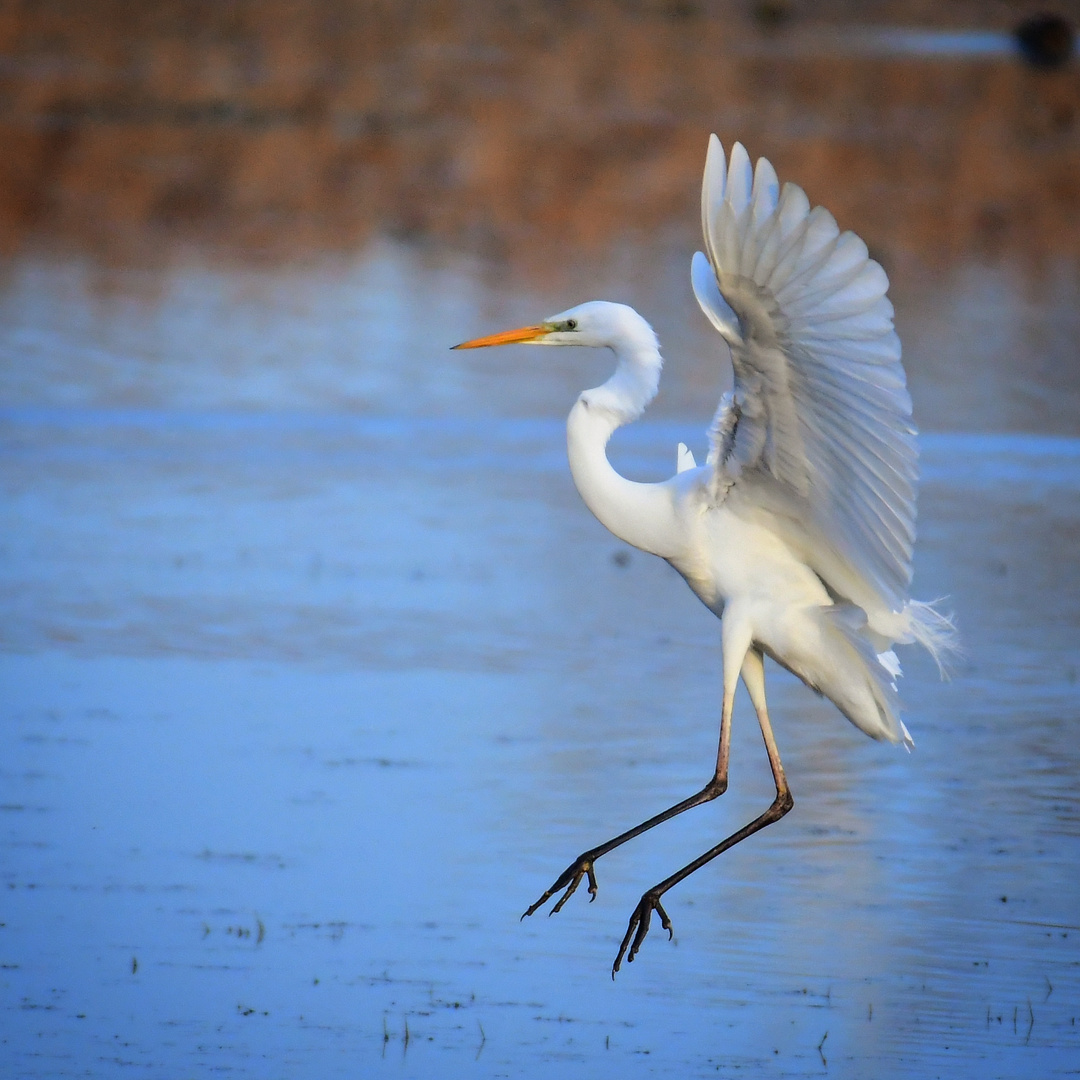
{"points": [[819, 403]]}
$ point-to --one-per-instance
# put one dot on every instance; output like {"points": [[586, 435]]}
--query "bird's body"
{"points": [[798, 531], [746, 560]]}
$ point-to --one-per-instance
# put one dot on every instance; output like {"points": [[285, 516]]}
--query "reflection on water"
{"points": [[315, 670], [988, 347]]}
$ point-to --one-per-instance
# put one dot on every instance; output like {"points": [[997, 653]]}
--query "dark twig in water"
{"points": [[821, 1052]]}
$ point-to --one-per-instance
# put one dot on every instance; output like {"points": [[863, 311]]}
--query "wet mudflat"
{"points": [[315, 672]]}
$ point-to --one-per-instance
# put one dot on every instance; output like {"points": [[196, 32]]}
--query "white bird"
{"points": [[798, 530]]}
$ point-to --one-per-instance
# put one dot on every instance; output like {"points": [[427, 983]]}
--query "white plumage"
{"points": [[819, 389], [798, 530]]}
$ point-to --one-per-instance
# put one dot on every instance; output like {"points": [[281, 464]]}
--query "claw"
{"points": [[639, 927], [569, 879]]}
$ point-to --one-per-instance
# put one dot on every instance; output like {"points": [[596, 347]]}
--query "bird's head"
{"points": [[597, 323]]}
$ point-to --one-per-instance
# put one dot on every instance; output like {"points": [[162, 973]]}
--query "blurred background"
{"points": [[545, 144], [274, 128], [314, 671]]}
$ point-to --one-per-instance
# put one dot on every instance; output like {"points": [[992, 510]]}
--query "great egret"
{"points": [[798, 530]]}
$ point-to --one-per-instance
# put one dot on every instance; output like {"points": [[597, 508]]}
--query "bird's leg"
{"points": [[582, 866], [753, 673]]}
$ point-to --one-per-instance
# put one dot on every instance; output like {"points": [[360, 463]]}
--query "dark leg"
{"points": [[753, 673], [571, 877]]}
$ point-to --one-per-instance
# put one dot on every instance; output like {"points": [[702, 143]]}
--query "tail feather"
{"points": [[935, 631], [876, 708], [863, 680]]}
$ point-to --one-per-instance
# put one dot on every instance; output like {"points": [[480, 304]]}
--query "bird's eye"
{"points": [[571, 324]]}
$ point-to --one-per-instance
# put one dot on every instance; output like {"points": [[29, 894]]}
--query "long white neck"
{"points": [[640, 514]]}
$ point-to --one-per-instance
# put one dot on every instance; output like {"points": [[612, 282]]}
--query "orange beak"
{"points": [[524, 335]]}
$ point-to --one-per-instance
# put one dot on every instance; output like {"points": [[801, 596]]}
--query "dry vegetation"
{"points": [[276, 126]]}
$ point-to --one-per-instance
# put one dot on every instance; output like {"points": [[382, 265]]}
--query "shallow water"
{"points": [[315, 672]]}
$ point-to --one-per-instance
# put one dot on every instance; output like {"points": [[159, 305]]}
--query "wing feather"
{"points": [[820, 402], [786, 231], [810, 251]]}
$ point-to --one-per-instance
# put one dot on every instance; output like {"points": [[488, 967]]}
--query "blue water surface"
{"points": [[315, 672]]}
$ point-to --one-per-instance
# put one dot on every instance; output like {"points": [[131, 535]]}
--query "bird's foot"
{"points": [[639, 927], [569, 879]]}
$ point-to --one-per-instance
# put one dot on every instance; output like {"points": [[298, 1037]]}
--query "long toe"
{"points": [[638, 928], [569, 880]]}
